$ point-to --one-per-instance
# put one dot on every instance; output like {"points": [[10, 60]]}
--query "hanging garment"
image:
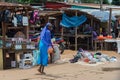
{"points": [[14, 21], [25, 21], [19, 19], [34, 17], [6, 15]]}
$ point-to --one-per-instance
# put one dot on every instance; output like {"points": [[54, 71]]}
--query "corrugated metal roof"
{"points": [[101, 15]]}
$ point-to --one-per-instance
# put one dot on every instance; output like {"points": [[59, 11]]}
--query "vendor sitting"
{"points": [[104, 32]]}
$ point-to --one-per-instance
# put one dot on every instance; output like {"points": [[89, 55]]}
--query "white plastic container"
{"points": [[118, 46]]}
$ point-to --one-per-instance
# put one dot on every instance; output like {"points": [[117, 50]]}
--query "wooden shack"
{"points": [[6, 27], [93, 21], [63, 32]]}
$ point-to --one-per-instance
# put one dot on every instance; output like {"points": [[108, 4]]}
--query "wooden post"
{"points": [[27, 27], [62, 32], [75, 38], [46, 18], [3, 33], [1, 51], [92, 25], [101, 5], [109, 27], [1, 59], [76, 35]]}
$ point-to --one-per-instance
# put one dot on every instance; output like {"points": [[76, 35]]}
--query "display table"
{"points": [[106, 44], [118, 46], [110, 40], [114, 40], [99, 43], [15, 55]]}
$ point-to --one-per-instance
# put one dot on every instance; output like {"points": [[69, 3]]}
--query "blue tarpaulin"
{"points": [[74, 21]]}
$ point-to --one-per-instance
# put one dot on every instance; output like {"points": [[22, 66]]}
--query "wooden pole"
{"points": [[3, 33], [1, 59], [76, 35], [109, 27], [92, 25], [27, 27], [62, 32], [101, 5]]}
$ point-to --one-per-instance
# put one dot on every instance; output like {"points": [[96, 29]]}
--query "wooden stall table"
{"points": [[16, 53], [117, 41], [67, 36], [99, 42]]}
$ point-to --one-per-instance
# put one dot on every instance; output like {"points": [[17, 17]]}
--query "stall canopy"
{"points": [[56, 5], [103, 16], [74, 21]]}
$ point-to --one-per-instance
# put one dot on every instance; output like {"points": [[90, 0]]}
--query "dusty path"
{"points": [[65, 71]]}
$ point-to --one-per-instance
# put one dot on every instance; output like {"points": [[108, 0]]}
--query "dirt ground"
{"points": [[67, 71]]}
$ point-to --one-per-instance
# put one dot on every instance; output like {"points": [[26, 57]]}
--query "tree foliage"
{"points": [[95, 1], [105, 2], [23, 1], [26, 1], [116, 2], [87, 1]]}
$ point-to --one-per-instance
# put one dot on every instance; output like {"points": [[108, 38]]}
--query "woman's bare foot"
{"points": [[39, 70], [43, 73]]}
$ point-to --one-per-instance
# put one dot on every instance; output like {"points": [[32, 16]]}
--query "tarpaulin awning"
{"points": [[74, 21], [103, 15]]}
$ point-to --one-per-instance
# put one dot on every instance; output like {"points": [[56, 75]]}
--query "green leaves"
{"points": [[88, 1], [116, 2], [105, 2], [25, 1], [29, 1]]}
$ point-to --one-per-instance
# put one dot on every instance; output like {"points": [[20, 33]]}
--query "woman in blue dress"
{"points": [[45, 43]]}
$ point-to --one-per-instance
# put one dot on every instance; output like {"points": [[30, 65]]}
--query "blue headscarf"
{"points": [[45, 35]]}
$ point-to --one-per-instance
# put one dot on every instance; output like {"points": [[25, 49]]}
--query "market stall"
{"points": [[14, 33], [77, 29]]}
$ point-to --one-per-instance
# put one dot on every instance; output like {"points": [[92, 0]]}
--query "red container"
{"points": [[86, 60]]}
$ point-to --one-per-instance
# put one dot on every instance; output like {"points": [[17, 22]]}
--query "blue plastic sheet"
{"points": [[74, 21], [36, 57]]}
